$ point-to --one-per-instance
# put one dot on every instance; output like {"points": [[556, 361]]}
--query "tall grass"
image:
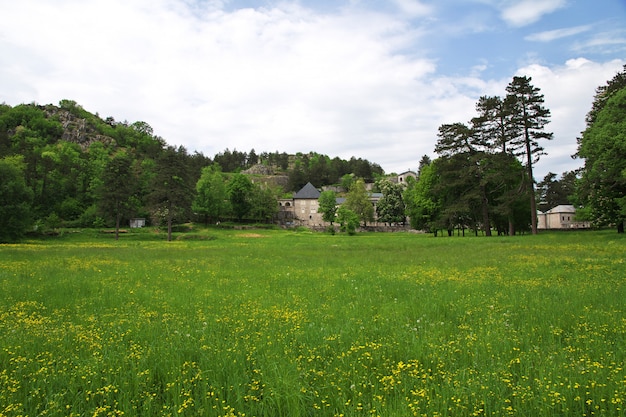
{"points": [[274, 323]]}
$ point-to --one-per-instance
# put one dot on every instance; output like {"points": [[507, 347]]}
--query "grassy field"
{"points": [[277, 323]]}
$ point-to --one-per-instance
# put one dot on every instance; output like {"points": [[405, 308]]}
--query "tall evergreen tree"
{"points": [[494, 122], [530, 116], [118, 187], [172, 192], [468, 148]]}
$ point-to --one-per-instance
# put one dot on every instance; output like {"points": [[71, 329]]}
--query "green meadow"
{"points": [[293, 323]]}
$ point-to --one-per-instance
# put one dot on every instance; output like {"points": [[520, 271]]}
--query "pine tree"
{"points": [[530, 117]]}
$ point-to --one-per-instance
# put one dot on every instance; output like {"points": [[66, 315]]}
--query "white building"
{"points": [[560, 217]]}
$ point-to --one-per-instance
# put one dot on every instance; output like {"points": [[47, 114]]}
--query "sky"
{"points": [[371, 79]]}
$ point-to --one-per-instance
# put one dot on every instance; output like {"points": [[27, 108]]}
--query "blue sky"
{"points": [[365, 78]]}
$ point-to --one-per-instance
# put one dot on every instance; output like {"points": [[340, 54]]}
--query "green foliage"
{"points": [[211, 196], [390, 208], [239, 190], [348, 220], [530, 117], [358, 201], [478, 181], [172, 190], [263, 204], [422, 205], [120, 186], [15, 200], [327, 205], [603, 145], [552, 191], [347, 180]]}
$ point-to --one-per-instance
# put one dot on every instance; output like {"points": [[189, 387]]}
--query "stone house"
{"points": [[560, 217], [302, 210], [305, 205], [402, 178]]}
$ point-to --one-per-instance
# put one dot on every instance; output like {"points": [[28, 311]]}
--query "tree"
{"points": [[119, 186], [425, 161], [239, 191], [604, 93], [495, 123], [457, 188], [422, 205], [505, 178], [263, 205], [172, 192], [468, 147], [552, 191], [211, 199], [328, 206], [530, 116], [603, 146], [15, 199], [348, 220], [357, 200], [390, 208]]}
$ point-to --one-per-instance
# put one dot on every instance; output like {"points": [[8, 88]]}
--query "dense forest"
{"points": [[61, 165], [77, 169]]}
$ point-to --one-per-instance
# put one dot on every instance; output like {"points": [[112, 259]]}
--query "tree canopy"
{"points": [[603, 146]]}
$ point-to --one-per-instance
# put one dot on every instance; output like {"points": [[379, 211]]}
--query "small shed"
{"points": [[137, 223]]}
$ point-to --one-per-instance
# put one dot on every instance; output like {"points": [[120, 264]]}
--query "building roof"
{"points": [[563, 208], [307, 192]]}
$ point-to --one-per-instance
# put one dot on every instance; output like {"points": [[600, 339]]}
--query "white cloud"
{"points": [[282, 78], [413, 8], [525, 12], [603, 42], [550, 35], [568, 91]]}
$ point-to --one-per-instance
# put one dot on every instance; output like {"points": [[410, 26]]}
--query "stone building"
{"points": [[560, 217]]}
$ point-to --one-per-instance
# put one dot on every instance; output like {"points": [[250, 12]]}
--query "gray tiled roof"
{"points": [[308, 192]]}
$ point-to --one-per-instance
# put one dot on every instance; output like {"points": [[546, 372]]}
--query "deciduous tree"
{"points": [[603, 146], [390, 208], [211, 200], [15, 199], [328, 206], [239, 190], [357, 200], [422, 205]]}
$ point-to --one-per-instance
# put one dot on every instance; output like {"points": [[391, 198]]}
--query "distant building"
{"points": [[302, 210], [305, 205], [560, 217], [402, 178], [137, 223]]}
